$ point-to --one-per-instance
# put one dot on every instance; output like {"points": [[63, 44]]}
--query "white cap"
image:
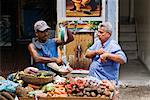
{"points": [[41, 26]]}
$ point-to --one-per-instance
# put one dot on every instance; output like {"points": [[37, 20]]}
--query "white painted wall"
{"points": [[112, 16], [124, 7], [142, 17]]}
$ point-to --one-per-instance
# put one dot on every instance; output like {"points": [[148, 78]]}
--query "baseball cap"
{"points": [[41, 26]]}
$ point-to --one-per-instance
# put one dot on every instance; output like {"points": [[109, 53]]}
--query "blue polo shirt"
{"points": [[110, 69]]}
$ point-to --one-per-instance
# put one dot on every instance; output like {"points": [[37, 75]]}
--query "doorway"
{"points": [[34, 10], [23, 14]]}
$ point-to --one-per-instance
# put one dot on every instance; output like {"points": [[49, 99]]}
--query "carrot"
{"points": [[62, 90], [51, 92], [34, 86], [57, 86], [57, 91]]}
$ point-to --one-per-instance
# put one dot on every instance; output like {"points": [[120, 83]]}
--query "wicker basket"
{"points": [[35, 80]]}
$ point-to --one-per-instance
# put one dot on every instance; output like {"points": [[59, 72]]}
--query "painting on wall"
{"points": [[83, 8]]}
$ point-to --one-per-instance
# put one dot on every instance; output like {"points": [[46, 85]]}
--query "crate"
{"points": [[72, 98], [63, 98]]}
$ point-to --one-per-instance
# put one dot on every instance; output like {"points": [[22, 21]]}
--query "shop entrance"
{"points": [[22, 14], [34, 10]]}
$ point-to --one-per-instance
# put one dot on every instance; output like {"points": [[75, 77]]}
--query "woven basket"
{"points": [[35, 80]]}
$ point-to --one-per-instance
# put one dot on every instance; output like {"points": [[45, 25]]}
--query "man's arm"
{"points": [[70, 36], [116, 57], [38, 58], [92, 53], [113, 57], [60, 53]]}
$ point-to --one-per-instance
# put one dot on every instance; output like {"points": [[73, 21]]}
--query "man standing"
{"points": [[106, 55], [44, 50]]}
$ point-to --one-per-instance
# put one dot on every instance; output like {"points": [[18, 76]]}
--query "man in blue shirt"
{"points": [[106, 55], [44, 50]]}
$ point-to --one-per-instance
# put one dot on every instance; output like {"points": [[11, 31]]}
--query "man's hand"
{"points": [[59, 61], [64, 23], [104, 56], [100, 51]]}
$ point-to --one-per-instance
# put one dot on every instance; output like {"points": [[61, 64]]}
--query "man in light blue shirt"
{"points": [[106, 55]]}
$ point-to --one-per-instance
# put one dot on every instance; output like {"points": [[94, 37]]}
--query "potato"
{"points": [[88, 94], [107, 93], [85, 95], [87, 89], [20, 91], [29, 89], [111, 88], [99, 90], [93, 94], [80, 94]]}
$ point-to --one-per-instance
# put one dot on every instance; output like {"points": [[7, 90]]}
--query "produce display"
{"points": [[58, 86], [69, 87]]}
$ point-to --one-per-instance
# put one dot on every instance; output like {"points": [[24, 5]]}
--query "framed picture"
{"points": [[83, 8]]}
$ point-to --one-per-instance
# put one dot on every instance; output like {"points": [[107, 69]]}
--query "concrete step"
{"points": [[128, 45], [131, 54], [127, 37], [127, 28], [135, 93]]}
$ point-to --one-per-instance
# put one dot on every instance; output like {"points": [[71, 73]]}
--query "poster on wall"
{"points": [[83, 8]]}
